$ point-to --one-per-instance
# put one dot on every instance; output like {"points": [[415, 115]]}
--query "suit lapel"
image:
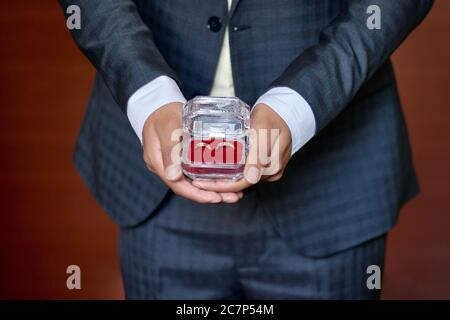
{"points": [[233, 7]]}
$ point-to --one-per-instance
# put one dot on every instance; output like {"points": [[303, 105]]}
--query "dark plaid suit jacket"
{"points": [[344, 187]]}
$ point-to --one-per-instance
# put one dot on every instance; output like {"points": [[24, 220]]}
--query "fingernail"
{"points": [[228, 198], [215, 200], [173, 172], [252, 175]]}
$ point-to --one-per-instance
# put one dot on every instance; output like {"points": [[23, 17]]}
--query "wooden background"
{"points": [[48, 220]]}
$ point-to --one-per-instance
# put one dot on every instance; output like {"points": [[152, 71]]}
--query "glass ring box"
{"points": [[215, 137]]}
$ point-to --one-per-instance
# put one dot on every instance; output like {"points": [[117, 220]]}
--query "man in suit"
{"points": [[313, 70]]}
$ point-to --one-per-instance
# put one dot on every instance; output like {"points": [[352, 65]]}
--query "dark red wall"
{"points": [[48, 220]]}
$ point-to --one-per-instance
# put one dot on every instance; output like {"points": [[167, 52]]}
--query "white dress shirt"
{"points": [[287, 103]]}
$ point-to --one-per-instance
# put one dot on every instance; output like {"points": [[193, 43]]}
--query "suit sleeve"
{"points": [[329, 74], [119, 45]]}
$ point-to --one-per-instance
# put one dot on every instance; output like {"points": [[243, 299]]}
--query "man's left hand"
{"points": [[270, 151]]}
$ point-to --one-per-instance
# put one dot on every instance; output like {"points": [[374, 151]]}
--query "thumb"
{"points": [[171, 156], [253, 167]]}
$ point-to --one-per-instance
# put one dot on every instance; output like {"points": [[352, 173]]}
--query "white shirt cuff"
{"points": [[149, 98], [295, 111]]}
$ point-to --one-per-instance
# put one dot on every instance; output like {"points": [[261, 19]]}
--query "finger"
{"points": [[184, 188], [147, 162], [268, 157], [258, 146], [274, 178], [230, 197], [252, 173], [222, 186], [150, 168], [152, 152], [173, 172], [171, 153]]}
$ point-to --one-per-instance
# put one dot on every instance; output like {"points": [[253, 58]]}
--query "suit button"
{"points": [[214, 24]]}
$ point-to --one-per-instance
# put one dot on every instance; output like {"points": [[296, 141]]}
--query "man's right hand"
{"points": [[161, 139]]}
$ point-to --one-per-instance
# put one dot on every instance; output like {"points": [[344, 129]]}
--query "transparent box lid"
{"points": [[215, 139]]}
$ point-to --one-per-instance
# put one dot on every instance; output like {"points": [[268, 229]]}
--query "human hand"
{"points": [[161, 138], [270, 151]]}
